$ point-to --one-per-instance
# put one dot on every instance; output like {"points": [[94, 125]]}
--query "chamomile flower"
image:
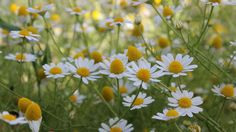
{"points": [[225, 90], [185, 103], [167, 114], [76, 11], [25, 34], [134, 53], [142, 100], [77, 97], [33, 115], [119, 21], [12, 119], [115, 67], [218, 2], [116, 125], [40, 9], [56, 70], [85, 69], [174, 87], [125, 87], [21, 57], [143, 73], [177, 66]]}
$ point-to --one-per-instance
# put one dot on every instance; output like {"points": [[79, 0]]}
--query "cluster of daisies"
{"points": [[29, 113]]}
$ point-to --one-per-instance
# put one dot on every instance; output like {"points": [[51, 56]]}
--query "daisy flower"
{"points": [[116, 125], [119, 21], [167, 114], [115, 67], [174, 87], [218, 2], [33, 115], [40, 9], [56, 70], [134, 53], [85, 69], [142, 100], [21, 57], [136, 2], [77, 97], [142, 73], [12, 119], [185, 103], [225, 90], [25, 33], [76, 11], [125, 87], [177, 66]]}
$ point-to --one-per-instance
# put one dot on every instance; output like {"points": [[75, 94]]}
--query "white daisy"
{"points": [[116, 125], [177, 66], [225, 90], [218, 2], [142, 73], [126, 87], [142, 100], [174, 87], [76, 11], [167, 114], [11, 118], [56, 70], [24, 33], [33, 115], [40, 9], [84, 69], [115, 67], [185, 103], [77, 97], [119, 21], [21, 57]]}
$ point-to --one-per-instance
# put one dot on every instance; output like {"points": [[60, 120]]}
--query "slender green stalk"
{"points": [[178, 128], [118, 38], [221, 110]]}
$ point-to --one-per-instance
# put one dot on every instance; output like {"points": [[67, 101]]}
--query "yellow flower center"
{"points": [[117, 66], [173, 89], [24, 32], [22, 11], [134, 53], [20, 57], [9, 117], [32, 29], [227, 91], [55, 17], [41, 73], [55, 70], [172, 113], [215, 1], [115, 129], [138, 101], [138, 30], [33, 112], [175, 67], [167, 11], [119, 19], [13, 8], [157, 2], [123, 90], [23, 104], [77, 10], [163, 42], [217, 42], [144, 75], [185, 102], [123, 3], [107, 93], [73, 98], [83, 71], [96, 56], [78, 55]]}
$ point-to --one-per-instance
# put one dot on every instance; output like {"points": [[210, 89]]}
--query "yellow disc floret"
{"points": [[227, 90], [144, 75], [24, 32], [123, 90], [83, 71], [167, 11], [185, 102], [115, 129], [175, 67], [20, 57], [23, 104], [33, 112], [107, 93], [96, 56], [117, 66], [22, 11], [9, 117], [55, 70], [172, 113], [138, 101], [133, 53], [163, 42]]}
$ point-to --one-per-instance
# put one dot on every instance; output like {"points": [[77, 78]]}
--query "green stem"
{"points": [[118, 38], [221, 110], [178, 128]]}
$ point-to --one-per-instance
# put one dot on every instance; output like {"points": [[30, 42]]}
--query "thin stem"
{"points": [[178, 128], [119, 94], [73, 91], [221, 110], [118, 38]]}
